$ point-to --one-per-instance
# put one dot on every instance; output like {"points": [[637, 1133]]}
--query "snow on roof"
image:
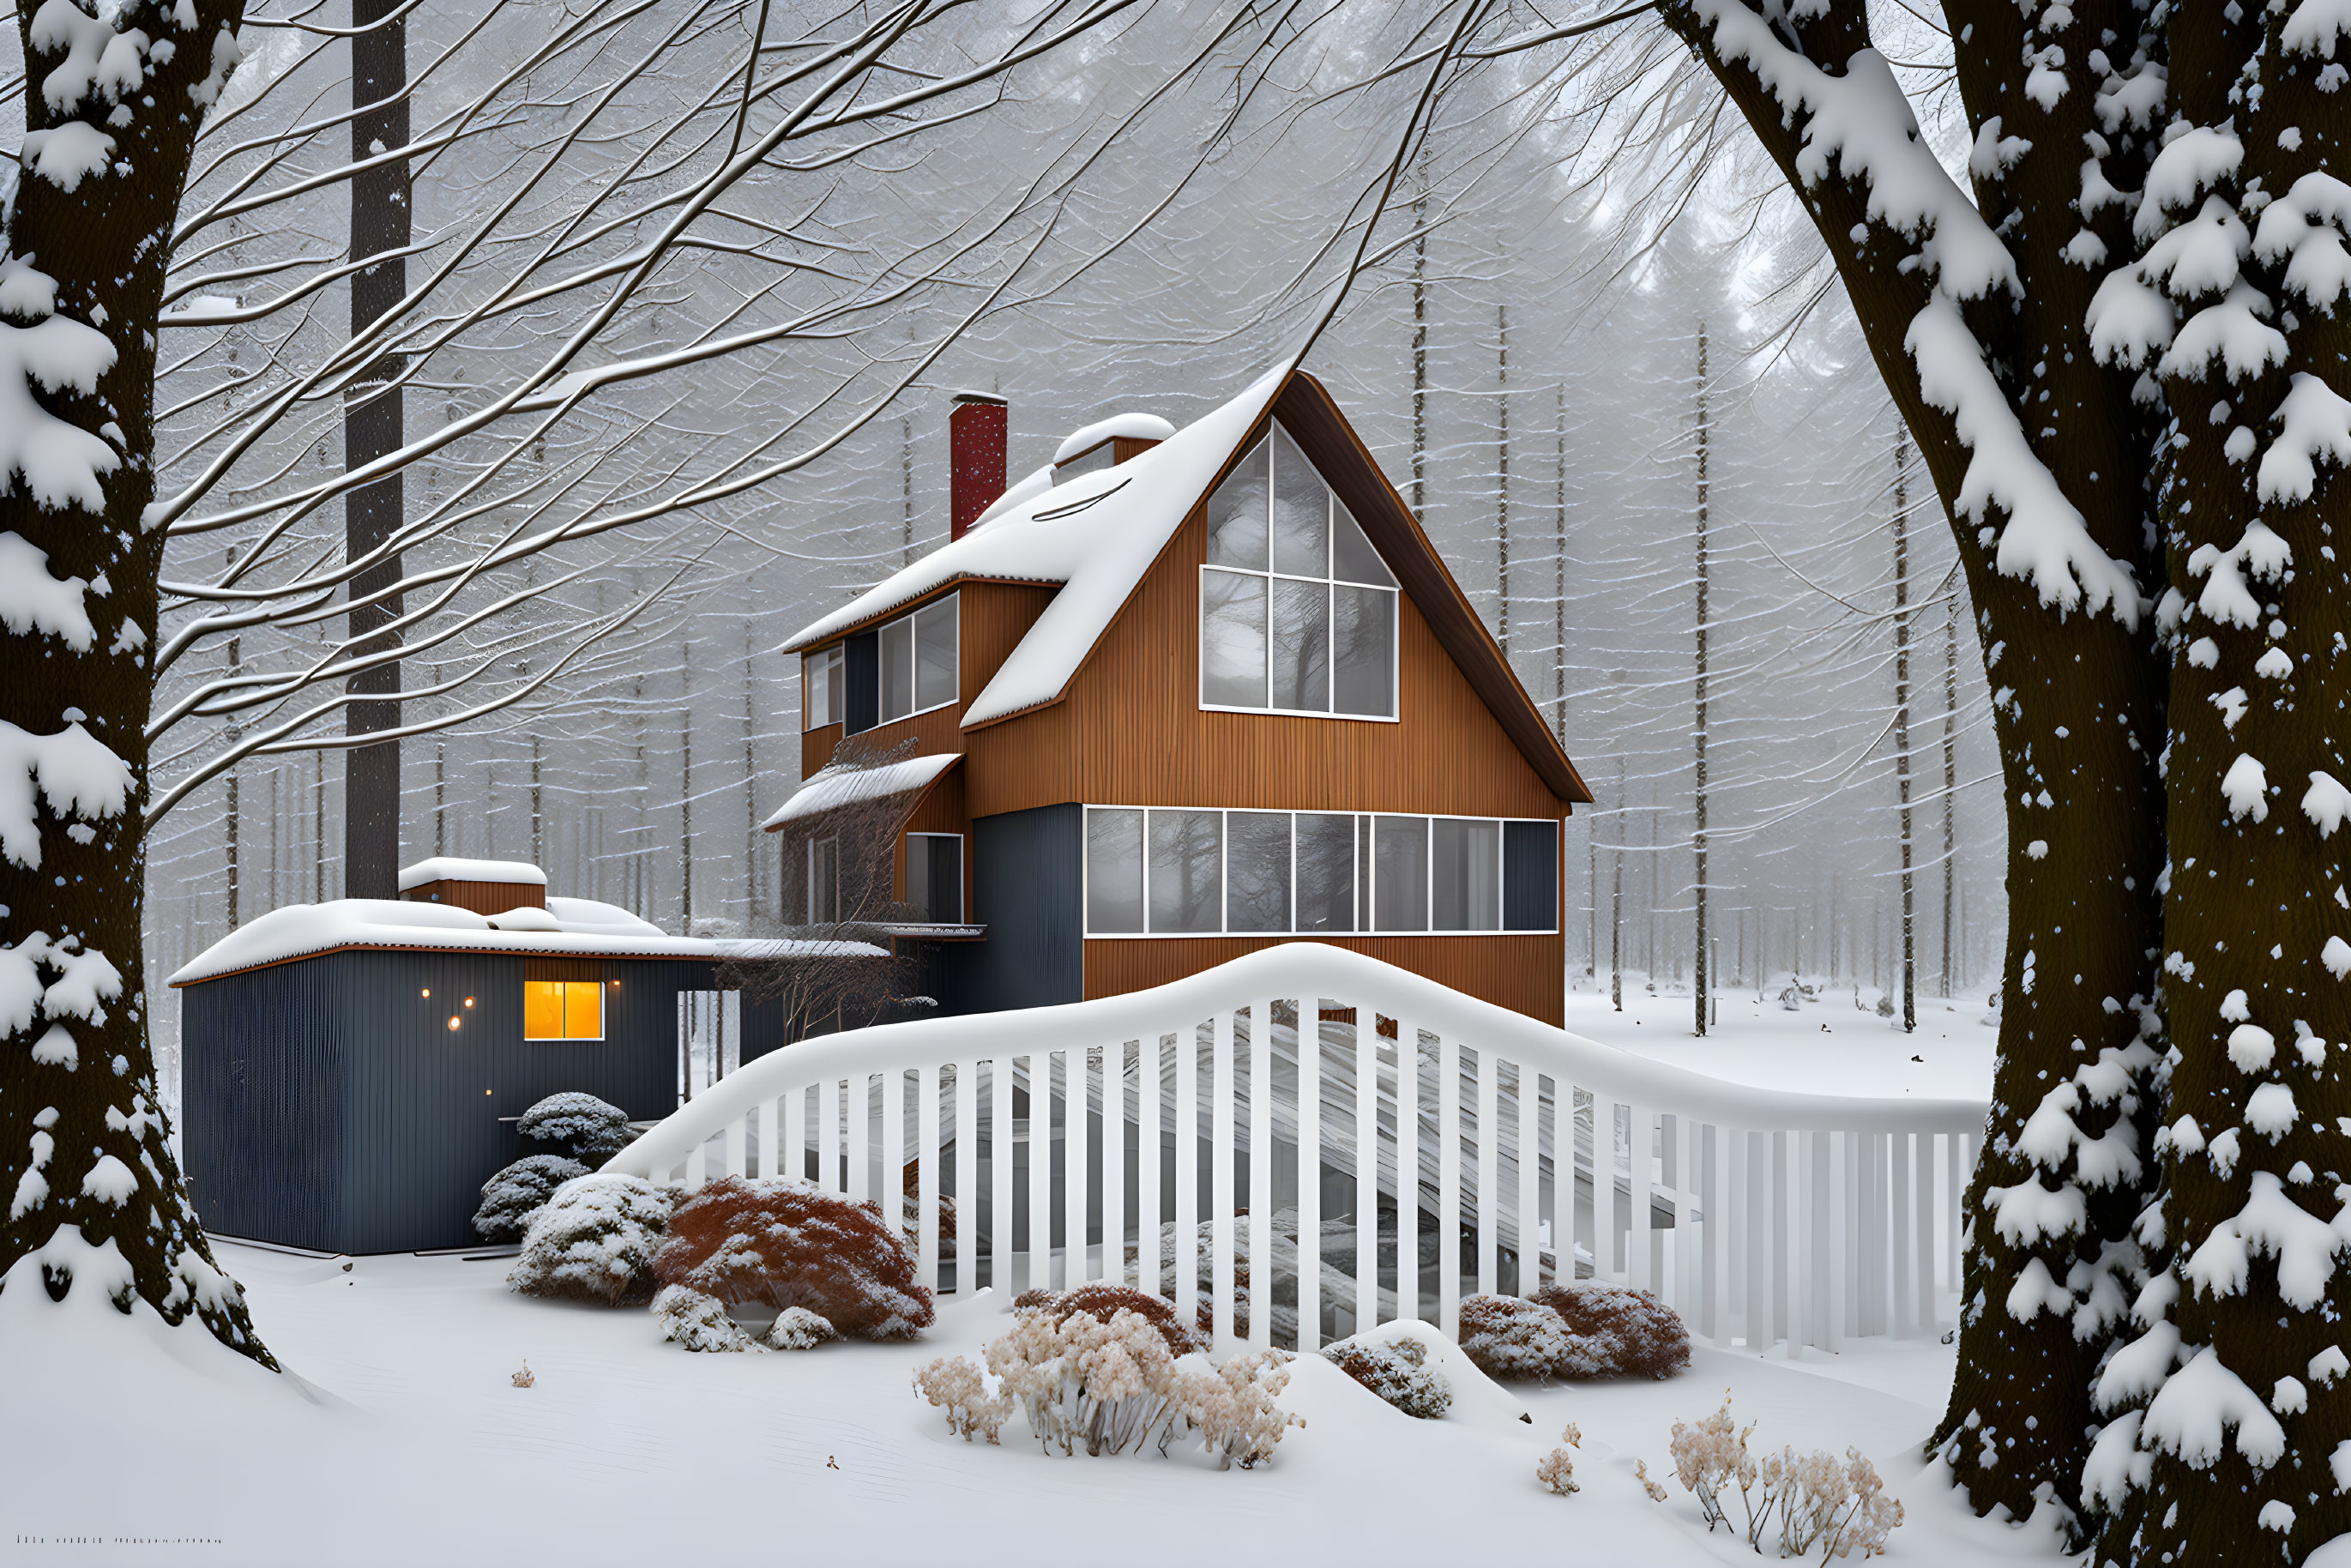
{"points": [[1096, 536], [567, 928], [831, 788], [449, 868], [1134, 427]]}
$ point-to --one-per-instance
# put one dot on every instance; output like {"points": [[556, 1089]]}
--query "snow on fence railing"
{"points": [[1771, 1216]]}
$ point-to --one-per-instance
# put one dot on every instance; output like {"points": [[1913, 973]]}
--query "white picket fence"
{"points": [[1771, 1217]]}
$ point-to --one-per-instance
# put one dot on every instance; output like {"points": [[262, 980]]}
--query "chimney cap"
{"points": [[989, 398]]}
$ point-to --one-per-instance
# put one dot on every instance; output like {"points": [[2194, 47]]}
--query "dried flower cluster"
{"points": [[1105, 1302], [787, 1243], [1395, 1371], [1588, 1330], [958, 1384], [1840, 1505], [1112, 1387], [595, 1241], [1557, 1470]]}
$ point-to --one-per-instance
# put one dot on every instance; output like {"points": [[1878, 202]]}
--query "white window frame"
{"points": [[914, 667], [834, 662], [1366, 890], [1331, 582]]}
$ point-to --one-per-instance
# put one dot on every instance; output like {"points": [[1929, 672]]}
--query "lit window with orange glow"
{"points": [[562, 1009]]}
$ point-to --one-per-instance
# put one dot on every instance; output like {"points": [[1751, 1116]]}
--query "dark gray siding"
{"points": [[1026, 868], [261, 1106], [362, 1122], [1531, 876]]}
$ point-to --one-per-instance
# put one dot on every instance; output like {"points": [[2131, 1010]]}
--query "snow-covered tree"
{"points": [[580, 175]]}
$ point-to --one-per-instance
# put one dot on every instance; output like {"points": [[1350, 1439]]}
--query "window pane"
{"points": [[1257, 866], [935, 654], [1232, 639], [1326, 873], [918, 874], [583, 1010], [836, 686], [1237, 515], [1351, 554], [947, 878], [542, 1009], [1400, 872], [1302, 511], [1364, 873], [1466, 886], [897, 670], [815, 694], [1301, 645], [1114, 872], [1186, 878], [824, 881], [1362, 650]]}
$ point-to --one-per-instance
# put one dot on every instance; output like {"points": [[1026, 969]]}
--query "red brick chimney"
{"points": [[976, 426]]}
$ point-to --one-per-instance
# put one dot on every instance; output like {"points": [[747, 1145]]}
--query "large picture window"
{"points": [[1160, 872], [1298, 613]]}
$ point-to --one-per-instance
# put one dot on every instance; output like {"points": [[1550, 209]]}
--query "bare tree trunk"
{"points": [[1420, 350], [1950, 779], [1559, 561], [685, 790], [372, 426], [234, 818], [1616, 902], [1902, 717], [751, 776], [1698, 731], [1502, 471]]}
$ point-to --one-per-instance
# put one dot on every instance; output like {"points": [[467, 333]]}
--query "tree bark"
{"points": [[2079, 694], [85, 1160]]}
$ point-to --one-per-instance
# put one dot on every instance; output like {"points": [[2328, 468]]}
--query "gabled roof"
{"points": [[1098, 535]]}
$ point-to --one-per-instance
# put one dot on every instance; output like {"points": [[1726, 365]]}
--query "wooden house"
{"points": [[351, 1072], [1177, 695]]}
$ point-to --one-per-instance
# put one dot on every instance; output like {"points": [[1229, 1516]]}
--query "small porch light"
{"points": [[453, 1023], [426, 992]]}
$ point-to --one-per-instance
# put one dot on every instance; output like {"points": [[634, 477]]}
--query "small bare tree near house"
{"points": [[827, 954]]}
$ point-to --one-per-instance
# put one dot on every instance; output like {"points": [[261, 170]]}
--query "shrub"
{"points": [[594, 1241], [1107, 1384], [786, 1243], [511, 1197], [1557, 1469], [699, 1321], [1394, 1372], [1624, 1332], [1842, 1508], [797, 1328], [1513, 1338], [1103, 1301], [584, 1127], [1233, 1407], [959, 1385]]}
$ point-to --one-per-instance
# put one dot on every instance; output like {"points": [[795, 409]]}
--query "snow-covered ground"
{"points": [[1826, 1047], [130, 1441]]}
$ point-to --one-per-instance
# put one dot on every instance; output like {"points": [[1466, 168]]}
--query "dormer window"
{"points": [[1298, 613]]}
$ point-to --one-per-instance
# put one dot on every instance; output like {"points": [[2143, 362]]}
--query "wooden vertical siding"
{"points": [[1520, 969], [481, 898]]}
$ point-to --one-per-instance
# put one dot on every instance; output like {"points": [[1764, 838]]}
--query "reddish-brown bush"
{"points": [[1512, 1337], [787, 1244], [1624, 1332], [1103, 1301]]}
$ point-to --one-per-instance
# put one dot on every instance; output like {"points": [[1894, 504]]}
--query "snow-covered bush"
{"points": [[594, 1241], [1557, 1469], [699, 1321], [1108, 1385], [1513, 1338], [797, 1328], [1103, 1301], [1622, 1332], [958, 1384], [588, 1129], [1233, 1407], [511, 1198], [1394, 1372], [785, 1243], [1842, 1507]]}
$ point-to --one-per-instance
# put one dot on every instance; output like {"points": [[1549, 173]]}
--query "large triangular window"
{"points": [[1298, 613]]}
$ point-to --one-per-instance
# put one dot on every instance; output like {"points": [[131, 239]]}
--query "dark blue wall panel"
{"points": [[1531, 876], [1026, 869]]}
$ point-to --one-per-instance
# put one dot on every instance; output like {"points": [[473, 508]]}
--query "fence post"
{"points": [[1260, 1183], [1310, 1173], [1367, 1166]]}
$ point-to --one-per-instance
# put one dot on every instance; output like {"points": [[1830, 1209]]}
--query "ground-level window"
{"points": [[935, 877], [1199, 873], [562, 1009]]}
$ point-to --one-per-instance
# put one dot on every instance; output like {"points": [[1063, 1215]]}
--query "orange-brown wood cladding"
{"points": [[991, 621], [1523, 972], [1130, 730], [481, 898]]}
